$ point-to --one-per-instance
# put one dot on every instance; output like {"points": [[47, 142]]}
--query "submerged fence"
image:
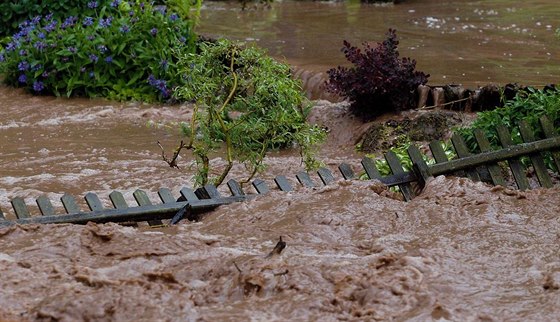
{"points": [[492, 166]]}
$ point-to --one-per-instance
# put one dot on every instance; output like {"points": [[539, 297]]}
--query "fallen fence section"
{"points": [[482, 166]]}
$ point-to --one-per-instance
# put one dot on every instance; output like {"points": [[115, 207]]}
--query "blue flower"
{"points": [[83, 69], [23, 52], [45, 74], [91, 74], [183, 39], [93, 58], [88, 21], [23, 66], [109, 59], [102, 48], [36, 67], [49, 17], [38, 86], [124, 29], [22, 79], [92, 4], [164, 63], [41, 35], [160, 9], [2, 58], [36, 20], [73, 50], [40, 45], [51, 26], [103, 23], [173, 17], [153, 31], [115, 3], [69, 22]]}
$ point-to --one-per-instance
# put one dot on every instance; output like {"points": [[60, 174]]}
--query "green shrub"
{"points": [[528, 105], [246, 102], [12, 13], [124, 51]]}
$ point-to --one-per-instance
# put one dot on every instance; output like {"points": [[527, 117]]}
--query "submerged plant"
{"points": [[379, 81], [247, 103]]}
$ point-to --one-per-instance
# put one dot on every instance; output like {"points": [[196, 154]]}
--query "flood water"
{"points": [[461, 251], [461, 42]]}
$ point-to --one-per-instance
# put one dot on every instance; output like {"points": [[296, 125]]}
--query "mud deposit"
{"points": [[461, 251]]}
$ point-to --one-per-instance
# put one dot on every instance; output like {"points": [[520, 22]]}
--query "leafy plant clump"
{"points": [[379, 82], [528, 105], [127, 50], [13, 13], [246, 103]]}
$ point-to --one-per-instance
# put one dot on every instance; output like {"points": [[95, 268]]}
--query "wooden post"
{"points": [[396, 167]]}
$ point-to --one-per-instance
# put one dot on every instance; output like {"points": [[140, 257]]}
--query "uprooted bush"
{"points": [[245, 102], [379, 81]]}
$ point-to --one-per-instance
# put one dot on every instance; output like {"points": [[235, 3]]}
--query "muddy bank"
{"points": [[460, 251]]}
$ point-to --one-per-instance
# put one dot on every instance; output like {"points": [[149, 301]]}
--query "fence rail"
{"points": [[482, 166]]}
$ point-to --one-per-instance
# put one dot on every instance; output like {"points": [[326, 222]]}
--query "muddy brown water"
{"points": [[461, 42], [461, 251]]}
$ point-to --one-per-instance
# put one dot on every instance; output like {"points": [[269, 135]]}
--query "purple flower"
{"points": [[51, 26], [49, 17], [160, 9], [103, 23], [12, 45], [92, 4], [38, 86], [153, 31], [22, 79], [102, 48], [163, 63], [124, 29], [2, 58], [41, 35], [40, 45], [83, 69], [115, 3], [173, 17], [35, 20], [152, 80], [45, 74], [23, 66], [23, 52], [36, 67], [88, 21], [69, 22], [183, 39], [73, 50], [93, 58], [109, 59]]}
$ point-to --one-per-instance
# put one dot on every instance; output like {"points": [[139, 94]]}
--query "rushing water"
{"points": [[462, 42], [460, 251]]}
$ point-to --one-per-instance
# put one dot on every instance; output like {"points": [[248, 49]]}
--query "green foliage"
{"points": [[245, 101], [126, 50], [528, 105], [12, 13]]}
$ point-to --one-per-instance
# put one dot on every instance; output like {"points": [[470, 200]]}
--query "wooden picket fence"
{"points": [[482, 166]]}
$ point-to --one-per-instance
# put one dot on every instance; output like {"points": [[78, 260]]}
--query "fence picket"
{"points": [[283, 183], [45, 206], [325, 175], [371, 170], [515, 165], [396, 167], [143, 200], [536, 158], [260, 186], [493, 168], [305, 180], [165, 195], [20, 208], [235, 188], [69, 203], [549, 132], [463, 152]]}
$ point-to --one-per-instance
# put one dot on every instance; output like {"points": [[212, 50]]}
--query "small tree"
{"points": [[246, 102], [379, 81]]}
